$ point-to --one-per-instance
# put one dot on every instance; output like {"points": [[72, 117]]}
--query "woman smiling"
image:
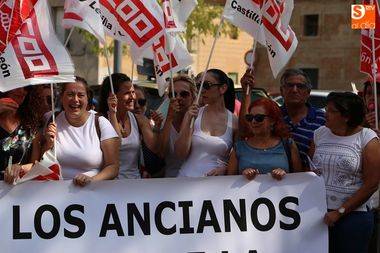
{"points": [[268, 149], [87, 145]]}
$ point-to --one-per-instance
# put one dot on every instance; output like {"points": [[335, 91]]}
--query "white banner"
{"points": [[35, 55], [220, 214]]}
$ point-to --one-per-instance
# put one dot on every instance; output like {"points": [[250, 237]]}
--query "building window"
{"points": [[233, 76], [311, 25], [313, 75]]}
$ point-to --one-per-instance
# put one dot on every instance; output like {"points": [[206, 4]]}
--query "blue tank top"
{"points": [[265, 160]]}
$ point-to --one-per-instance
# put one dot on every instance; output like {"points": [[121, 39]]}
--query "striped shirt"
{"points": [[303, 132]]}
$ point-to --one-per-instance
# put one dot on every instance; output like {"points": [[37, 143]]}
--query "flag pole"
{"points": [[132, 72], [108, 68], [69, 36], [374, 72], [170, 65], [53, 116], [10, 23], [252, 61], [207, 66]]}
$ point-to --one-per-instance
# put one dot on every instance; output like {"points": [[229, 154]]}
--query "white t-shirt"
{"points": [[339, 158], [172, 162], [130, 152], [207, 151], [78, 148]]}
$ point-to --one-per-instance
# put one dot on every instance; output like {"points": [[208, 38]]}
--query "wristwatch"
{"points": [[341, 210]]}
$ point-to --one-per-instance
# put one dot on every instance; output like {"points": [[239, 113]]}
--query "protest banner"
{"points": [[226, 214]]}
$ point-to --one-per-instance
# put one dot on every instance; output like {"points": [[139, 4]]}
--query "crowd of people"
{"points": [[217, 136]]}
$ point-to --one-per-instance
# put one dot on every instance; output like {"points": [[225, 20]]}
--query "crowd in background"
{"points": [[217, 136]]}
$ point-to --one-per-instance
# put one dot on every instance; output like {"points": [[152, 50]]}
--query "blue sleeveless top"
{"points": [[265, 160]]}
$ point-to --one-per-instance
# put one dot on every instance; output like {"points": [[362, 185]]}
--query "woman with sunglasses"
{"points": [[184, 92], [207, 145], [348, 157], [119, 108], [268, 148]]}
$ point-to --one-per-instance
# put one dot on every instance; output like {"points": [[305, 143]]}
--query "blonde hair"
{"points": [[189, 80]]}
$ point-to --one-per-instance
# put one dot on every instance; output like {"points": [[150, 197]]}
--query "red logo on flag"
{"points": [[5, 21], [162, 59], [272, 22], [135, 19], [168, 16], [33, 56]]}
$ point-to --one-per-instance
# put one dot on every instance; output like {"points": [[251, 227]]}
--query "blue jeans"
{"points": [[352, 233]]}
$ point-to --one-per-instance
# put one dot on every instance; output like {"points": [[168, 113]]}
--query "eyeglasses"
{"points": [[300, 86], [182, 94], [141, 101], [207, 85], [257, 117]]}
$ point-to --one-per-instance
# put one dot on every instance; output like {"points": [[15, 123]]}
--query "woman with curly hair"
{"points": [[19, 121], [269, 148]]}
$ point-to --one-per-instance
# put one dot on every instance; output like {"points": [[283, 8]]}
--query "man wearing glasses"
{"points": [[302, 118]]}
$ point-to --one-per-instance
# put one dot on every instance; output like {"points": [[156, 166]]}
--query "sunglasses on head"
{"points": [[257, 117], [141, 102], [206, 85], [182, 94], [300, 86]]}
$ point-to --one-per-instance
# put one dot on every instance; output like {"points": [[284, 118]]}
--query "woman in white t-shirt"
{"points": [[129, 126], [87, 145], [348, 156], [206, 146]]}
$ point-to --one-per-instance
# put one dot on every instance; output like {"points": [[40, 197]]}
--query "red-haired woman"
{"points": [[268, 149]]}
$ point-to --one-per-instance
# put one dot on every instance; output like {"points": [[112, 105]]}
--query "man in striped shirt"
{"points": [[299, 115]]}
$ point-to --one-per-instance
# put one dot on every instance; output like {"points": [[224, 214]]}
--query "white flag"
{"points": [[180, 58], [12, 15], [176, 13], [85, 16], [246, 15], [35, 55], [281, 41], [45, 170], [139, 23], [183, 9]]}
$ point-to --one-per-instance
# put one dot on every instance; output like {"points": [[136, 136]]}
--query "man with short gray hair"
{"points": [[302, 118]]}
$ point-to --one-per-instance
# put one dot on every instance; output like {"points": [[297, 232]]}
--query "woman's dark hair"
{"points": [[140, 89], [117, 80], [349, 105], [368, 85], [78, 79], [30, 111], [229, 96]]}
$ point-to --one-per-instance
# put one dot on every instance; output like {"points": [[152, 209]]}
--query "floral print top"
{"points": [[17, 144]]}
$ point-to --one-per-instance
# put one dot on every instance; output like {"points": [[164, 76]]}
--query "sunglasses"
{"points": [[257, 117], [182, 94], [300, 86], [141, 101], [207, 85]]}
